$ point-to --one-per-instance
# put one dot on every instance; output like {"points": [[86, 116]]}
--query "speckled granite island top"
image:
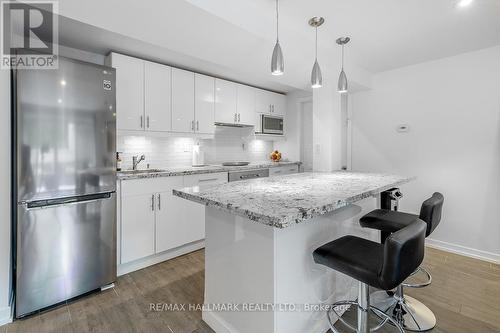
{"points": [[285, 200]]}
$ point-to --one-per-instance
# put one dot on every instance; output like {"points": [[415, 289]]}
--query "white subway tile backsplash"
{"points": [[228, 144]]}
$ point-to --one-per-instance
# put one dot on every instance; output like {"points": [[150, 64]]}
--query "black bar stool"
{"points": [[383, 266], [411, 314]]}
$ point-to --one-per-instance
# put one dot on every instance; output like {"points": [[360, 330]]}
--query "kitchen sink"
{"points": [[135, 172]]}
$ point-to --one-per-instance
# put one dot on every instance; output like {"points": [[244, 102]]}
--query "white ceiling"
{"points": [[386, 34], [234, 38]]}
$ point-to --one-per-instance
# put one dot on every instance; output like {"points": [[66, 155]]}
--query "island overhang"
{"points": [[283, 201]]}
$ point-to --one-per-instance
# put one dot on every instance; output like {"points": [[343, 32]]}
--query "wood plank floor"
{"points": [[464, 295]]}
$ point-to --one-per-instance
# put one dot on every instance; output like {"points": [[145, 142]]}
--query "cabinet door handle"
{"points": [[147, 121], [141, 121], [207, 180], [197, 125], [273, 108], [153, 202], [270, 108], [235, 117], [192, 125], [238, 117], [249, 176], [159, 202]]}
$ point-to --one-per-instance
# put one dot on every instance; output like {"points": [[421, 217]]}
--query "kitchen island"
{"points": [[260, 235]]}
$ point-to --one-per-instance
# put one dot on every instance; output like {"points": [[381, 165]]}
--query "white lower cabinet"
{"points": [[168, 216], [137, 227], [153, 220]]}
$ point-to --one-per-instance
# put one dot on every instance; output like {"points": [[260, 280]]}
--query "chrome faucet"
{"points": [[136, 161]]}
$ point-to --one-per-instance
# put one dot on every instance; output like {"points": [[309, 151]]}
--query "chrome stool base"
{"points": [[363, 308], [409, 312]]}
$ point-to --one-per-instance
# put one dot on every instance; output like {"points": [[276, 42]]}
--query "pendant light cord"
{"points": [[342, 56], [316, 54], [277, 21]]}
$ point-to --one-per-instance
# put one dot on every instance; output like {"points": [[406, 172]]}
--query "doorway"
{"points": [[306, 134]]}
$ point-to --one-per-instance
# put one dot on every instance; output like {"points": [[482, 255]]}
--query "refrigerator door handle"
{"points": [[49, 203], [152, 202], [159, 201]]}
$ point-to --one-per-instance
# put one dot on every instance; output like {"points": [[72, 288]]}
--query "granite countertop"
{"points": [[286, 200], [189, 170]]}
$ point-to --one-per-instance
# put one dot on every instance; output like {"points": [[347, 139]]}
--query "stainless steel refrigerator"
{"points": [[65, 179]]}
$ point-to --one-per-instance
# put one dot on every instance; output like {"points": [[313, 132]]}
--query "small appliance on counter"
{"points": [[118, 161], [198, 156]]}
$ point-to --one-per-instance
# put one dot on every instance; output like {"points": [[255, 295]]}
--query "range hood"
{"points": [[231, 125]]}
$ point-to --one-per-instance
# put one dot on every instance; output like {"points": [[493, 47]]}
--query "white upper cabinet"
{"points": [[225, 101], [182, 101], [278, 104], [269, 103], [245, 105], [129, 91], [204, 104], [262, 101], [158, 93], [160, 98]]}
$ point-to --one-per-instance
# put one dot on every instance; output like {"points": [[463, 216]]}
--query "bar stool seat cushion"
{"points": [[387, 220], [353, 256], [383, 266]]}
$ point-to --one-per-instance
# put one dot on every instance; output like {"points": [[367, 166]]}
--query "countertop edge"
{"points": [[203, 171]]}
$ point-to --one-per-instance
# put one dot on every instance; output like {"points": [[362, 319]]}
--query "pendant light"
{"points": [[316, 78], [342, 85], [277, 63]]}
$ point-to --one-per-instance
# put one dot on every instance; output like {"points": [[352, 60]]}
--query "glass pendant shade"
{"points": [[342, 85], [316, 77], [277, 63]]}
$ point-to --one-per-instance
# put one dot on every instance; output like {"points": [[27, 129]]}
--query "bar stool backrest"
{"points": [[403, 254], [430, 212]]}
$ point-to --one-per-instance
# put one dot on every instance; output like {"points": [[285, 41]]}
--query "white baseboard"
{"points": [[157, 258], [463, 250], [5, 315], [216, 323]]}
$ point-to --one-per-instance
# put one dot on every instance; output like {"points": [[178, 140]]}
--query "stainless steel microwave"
{"points": [[271, 124]]}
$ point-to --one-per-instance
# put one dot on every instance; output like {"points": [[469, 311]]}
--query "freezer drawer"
{"points": [[64, 250]]}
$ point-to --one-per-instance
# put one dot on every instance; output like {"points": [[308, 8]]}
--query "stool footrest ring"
{"points": [[385, 318], [419, 285]]}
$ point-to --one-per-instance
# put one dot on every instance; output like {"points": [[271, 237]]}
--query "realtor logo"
{"points": [[29, 34]]}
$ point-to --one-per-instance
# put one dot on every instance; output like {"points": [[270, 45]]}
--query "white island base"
{"points": [[249, 264]]}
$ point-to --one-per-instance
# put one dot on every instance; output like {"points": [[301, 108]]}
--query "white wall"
{"points": [[327, 124], [5, 221], [290, 148], [452, 106]]}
